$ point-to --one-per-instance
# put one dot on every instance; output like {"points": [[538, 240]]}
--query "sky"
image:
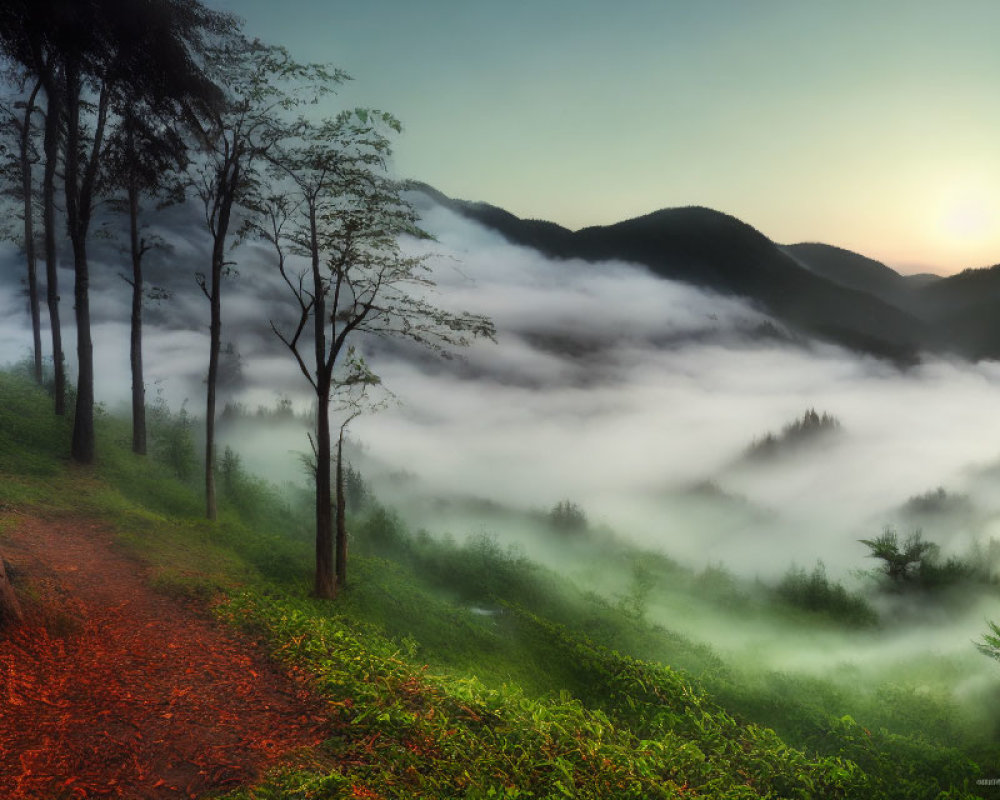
{"points": [[874, 126]]}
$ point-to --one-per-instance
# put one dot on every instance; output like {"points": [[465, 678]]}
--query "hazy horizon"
{"points": [[607, 386], [872, 127]]}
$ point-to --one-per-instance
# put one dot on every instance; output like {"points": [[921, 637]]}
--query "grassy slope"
{"points": [[544, 699]]}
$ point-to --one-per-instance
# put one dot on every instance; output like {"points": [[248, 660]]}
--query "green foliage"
{"points": [[32, 441], [795, 434], [357, 495], [915, 565], [815, 592], [900, 561], [412, 734], [255, 501], [937, 502], [635, 601], [990, 645], [571, 694], [567, 517], [720, 587], [171, 437], [477, 571]]}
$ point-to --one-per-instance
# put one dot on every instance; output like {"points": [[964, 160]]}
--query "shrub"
{"points": [[172, 439], [815, 592], [567, 517], [900, 561]]}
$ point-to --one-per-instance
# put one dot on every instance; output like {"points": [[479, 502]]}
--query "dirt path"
{"points": [[112, 690]]}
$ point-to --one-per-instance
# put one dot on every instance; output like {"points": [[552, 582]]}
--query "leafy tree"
{"points": [[568, 517], [139, 159], [814, 591], [90, 58], [900, 561], [145, 154], [337, 208], [29, 40], [354, 400], [263, 84], [19, 122]]}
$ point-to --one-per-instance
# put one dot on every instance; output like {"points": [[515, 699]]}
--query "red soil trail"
{"points": [[111, 690]]}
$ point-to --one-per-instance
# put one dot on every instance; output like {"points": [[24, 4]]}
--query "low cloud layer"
{"points": [[607, 386], [632, 396]]}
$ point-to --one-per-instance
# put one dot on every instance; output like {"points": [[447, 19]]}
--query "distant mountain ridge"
{"points": [[818, 289]]}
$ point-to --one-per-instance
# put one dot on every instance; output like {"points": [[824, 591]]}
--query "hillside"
{"points": [[817, 289], [450, 669], [719, 252], [852, 270]]}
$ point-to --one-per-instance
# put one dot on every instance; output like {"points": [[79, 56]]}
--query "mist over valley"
{"points": [[670, 471], [642, 399]]}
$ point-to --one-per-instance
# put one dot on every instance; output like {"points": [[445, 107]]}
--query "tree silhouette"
{"points": [[900, 561], [263, 84], [333, 204], [92, 57], [19, 121], [568, 517], [27, 38]]}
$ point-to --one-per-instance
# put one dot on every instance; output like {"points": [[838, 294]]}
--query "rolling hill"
{"points": [[816, 289]]}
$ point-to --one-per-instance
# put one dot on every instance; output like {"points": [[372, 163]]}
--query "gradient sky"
{"points": [[870, 124]]}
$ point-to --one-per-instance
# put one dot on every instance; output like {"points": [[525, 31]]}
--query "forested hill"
{"points": [[818, 290]]}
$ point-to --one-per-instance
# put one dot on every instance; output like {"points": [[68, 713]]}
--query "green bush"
{"points": [[171, 438], [816, 593]]}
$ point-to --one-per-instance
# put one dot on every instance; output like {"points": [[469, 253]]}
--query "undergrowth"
{"points": [[465, 669]]}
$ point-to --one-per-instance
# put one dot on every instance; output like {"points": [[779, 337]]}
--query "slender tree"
{"points": [[19, 116], [29, 39], [354, 399], [81, 172], [264, 84], [86, 55], [148, 148], [52, 142], [339, 210], [145, 160]]}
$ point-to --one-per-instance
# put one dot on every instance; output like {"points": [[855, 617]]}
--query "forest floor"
{"points": [[111, 689]]}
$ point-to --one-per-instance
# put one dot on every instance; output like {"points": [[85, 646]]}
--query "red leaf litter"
{"points": [[109, 689]]}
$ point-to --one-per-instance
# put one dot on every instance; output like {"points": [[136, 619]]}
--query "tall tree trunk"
{"points": [[341, 515], [29, 232], [326, 581], [135, 349], [228, 182], [79, 196], [215, 338], [214, 345], [83, 420], [51, 146]]}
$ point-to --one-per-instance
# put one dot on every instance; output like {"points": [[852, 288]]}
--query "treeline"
{"points": [[796, 433], [135, 104]]}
